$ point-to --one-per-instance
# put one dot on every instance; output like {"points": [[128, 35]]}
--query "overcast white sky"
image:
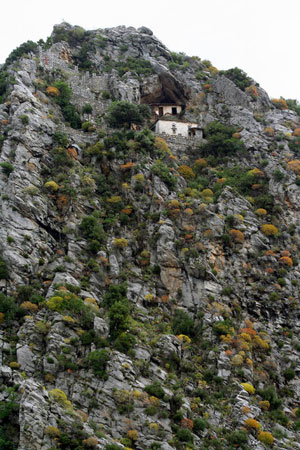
{"points": [[259, 36]]}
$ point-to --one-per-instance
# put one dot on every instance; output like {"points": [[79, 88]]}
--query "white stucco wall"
{"points": [[166, 126], [167, 109]]}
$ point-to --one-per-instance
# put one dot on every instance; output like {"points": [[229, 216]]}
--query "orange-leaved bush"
{"points": [[126, 166], [269, 230], [187, 423], [72, 152], [252, 90], [52, 91], [186, 172], [160, 144], [286, 260], [200, 164], [237, 235], [294, 165], [28, 306], [280, 103], [252, 423], [269, 131], [296, 132], [264, 404]]}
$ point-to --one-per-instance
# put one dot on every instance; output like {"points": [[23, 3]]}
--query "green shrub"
{"points": [[4, 274], [237, 438], [269, 394], [93, 231], [24, 119], [8, 410], [118, 318], [88, 127], [115, 293], [144, 141], [184, 435], [7, 168], [113, 447], [98, 360], [23, 49], [156, 390], [63, 100], [279, 417], [278, 175], [220, 141], [60, 138], [125, 342], [138, 66], [238, 76], [163, 172], [289, 374], [123, 114], [61, 158], [200, 425], [82, 58], [87, 109], [182, 323], [222, 327], [65, 301], [10, 310], [105, 95]]}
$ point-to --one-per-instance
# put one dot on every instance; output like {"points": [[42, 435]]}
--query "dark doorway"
{"points": [[174, 110], [160, 110]]}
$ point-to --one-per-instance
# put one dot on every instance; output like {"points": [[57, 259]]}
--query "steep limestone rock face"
{"points": [[149, 284]]}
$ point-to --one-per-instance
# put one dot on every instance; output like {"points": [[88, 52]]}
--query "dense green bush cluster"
{"points": [[156, 390], [64, 301], [4, 83], [4, 274], [93, 231], [220, 141], [294, 105], [124, 114], [7, 167], [8, 428], [23, 49], [138, 66], [118, 306], [182, 323], [238, 76], [60, 138], [10, 309], [98, 360], [240, 179], [162, 171], [179, 61], [63, 100], [74, 36]]}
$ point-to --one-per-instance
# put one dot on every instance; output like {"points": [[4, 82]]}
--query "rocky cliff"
{"points": [[150, 285]]}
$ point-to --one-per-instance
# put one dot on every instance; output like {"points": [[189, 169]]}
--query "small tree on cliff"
{"points": [[123, 114]]}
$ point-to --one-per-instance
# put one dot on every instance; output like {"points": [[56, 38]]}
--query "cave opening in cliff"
{"points": [[167, 96]]}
